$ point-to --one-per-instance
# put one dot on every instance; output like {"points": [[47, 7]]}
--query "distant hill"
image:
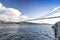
{"points": [[3, 22]]}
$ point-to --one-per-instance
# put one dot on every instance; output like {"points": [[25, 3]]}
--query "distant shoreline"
{"points": [[3, 22]]}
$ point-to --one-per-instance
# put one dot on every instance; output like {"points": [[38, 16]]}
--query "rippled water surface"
{"points": [[26, 32]]}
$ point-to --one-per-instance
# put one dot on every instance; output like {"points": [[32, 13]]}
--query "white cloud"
{"points": [[10, 14], [23, 18]]}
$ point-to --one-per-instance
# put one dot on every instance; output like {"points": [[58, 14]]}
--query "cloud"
{"points": [[10, 14]]}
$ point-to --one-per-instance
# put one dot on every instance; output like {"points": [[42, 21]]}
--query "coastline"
{"points": [[3, 22]]}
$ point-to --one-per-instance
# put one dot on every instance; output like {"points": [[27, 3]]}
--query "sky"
{"points": [[32, 8], [17, 10]]}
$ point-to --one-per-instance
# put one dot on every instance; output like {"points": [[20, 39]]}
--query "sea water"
{"points": [[26, 32]]}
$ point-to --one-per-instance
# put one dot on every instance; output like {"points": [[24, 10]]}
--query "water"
{"points": [[26, 32]]}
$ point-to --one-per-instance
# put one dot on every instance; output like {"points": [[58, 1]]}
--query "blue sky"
{"points": [[32, 8]]}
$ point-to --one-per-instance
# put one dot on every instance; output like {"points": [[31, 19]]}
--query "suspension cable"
{"points": [[43, 18], [46, 17]]}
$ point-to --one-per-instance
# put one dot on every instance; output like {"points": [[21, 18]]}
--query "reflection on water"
{"points": [[26, 32]]}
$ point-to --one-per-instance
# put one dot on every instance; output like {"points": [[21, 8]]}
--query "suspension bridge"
{"points": [[48, 18]]}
